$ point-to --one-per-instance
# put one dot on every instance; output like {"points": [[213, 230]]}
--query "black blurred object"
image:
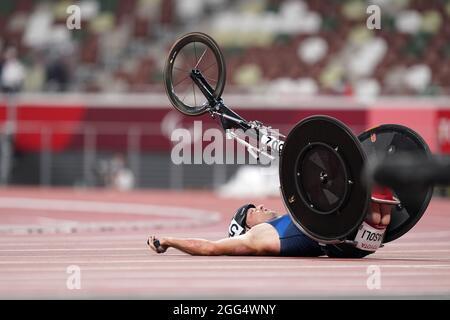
{"points": [[157, 245], [386, 142], [405, 169]]}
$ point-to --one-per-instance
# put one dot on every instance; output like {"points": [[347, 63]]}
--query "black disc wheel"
{"points": [[193, 52], [320, 178]]}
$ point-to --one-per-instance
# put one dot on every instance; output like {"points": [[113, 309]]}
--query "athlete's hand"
{"points": [[155, 244], [382, 200], [379, 215]]}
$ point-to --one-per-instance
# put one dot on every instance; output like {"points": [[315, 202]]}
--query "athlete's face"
{"points": [[258, 215]]}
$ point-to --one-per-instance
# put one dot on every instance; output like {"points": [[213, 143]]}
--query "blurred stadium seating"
{"points": [[307, 47], [92, 99]]}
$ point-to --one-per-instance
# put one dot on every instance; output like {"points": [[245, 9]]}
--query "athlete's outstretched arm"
{"points": [[260, 240], [203, 247]]}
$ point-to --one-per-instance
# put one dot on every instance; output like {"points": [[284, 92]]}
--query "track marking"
{"points": [[178, 261], [211, 275], [147, 258], [140, 236], [144, 246], [201, 268], [77, 249], [89, 238], [415, 251], [195, 217]]}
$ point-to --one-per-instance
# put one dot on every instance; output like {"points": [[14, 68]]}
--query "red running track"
{"points": [[44, 231]]}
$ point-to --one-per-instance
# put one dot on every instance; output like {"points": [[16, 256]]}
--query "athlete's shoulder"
{"points": [[264, 239], [285, 218]]}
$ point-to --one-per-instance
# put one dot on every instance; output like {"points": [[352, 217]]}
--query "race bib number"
{"points": [[234, 229], [369, 238]]}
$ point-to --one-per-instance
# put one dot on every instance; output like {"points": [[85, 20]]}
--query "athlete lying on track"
{"points": [[256, 230]]}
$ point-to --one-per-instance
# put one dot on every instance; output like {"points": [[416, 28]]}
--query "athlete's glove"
{"points": [[384, 195], [369, 237]]}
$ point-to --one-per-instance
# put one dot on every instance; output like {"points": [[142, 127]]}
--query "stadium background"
{"points": [[85, 109], [93, 94]]}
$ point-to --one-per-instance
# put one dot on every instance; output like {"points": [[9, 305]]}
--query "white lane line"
{"points": [[142, 237], [315, 266], [194, 216], [428, 235], [406, 240], [88, 239], [218, 275], [77, 249], [144, 247], [235, 288], [184, 269], [105, 207], [66, 244], [239, 284], [171, 289], [148, 255], [62, 237], [417, 244], [417, 253], [130, 235], [414, 251], [24, 242], [65, 256]]}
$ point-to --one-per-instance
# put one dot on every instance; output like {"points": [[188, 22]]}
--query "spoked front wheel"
{"points": [[193, 52]]}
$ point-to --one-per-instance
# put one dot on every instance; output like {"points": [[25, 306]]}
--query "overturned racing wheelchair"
{"points": [[327, 174]]}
